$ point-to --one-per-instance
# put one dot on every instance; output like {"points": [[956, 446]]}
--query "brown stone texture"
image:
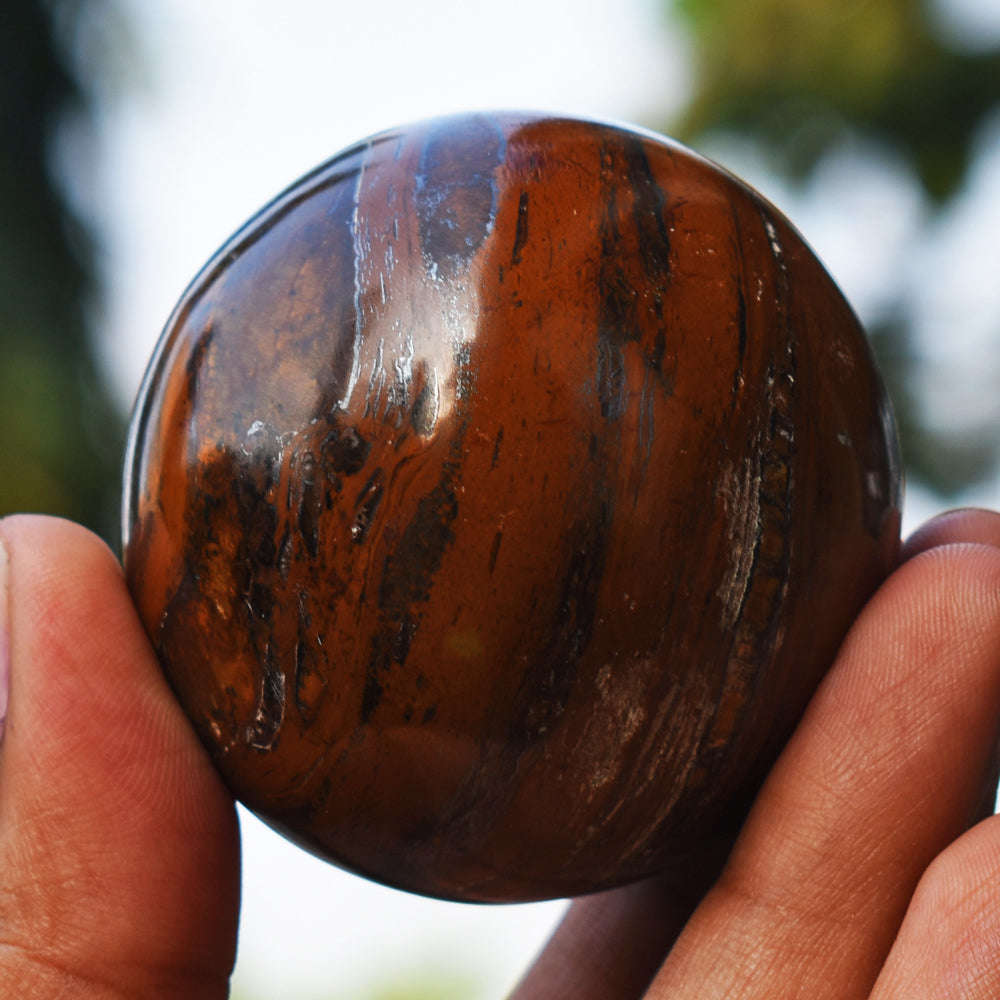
{"points": [[497, 497]]}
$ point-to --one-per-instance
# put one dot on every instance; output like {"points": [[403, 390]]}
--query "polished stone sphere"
{"points": [[497, 497]]}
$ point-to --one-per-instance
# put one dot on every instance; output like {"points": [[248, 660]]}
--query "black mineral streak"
{"points": [[521, 230]]}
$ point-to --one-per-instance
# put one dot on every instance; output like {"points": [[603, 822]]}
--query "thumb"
{"points": [[119, 852]]}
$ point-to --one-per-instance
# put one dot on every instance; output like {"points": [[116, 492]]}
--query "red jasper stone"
{"points": [[497, 497]]}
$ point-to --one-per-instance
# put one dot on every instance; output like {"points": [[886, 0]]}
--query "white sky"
{"points": [[243, 96]]}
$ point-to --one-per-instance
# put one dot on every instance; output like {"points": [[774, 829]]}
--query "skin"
{"points": [[865, 869]]}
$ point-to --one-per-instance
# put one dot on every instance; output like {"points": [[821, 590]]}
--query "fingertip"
{"points": [[109, 806], [62, 580], [939, 611], [25, 529], [60, 565], [954, 584], [42, 561], [964, 524], [76, 644]]}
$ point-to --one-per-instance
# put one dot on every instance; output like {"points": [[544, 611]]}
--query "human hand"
{"points": [[119, 863]]}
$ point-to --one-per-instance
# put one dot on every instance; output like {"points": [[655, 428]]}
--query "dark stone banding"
{"points": [[310, 503], [371, 695], [618, 318], [739, 279], [257, 515], [495, 550], [649, 213], [498, 441], [741, 322], [521, 230], [261, 602], [409, 569], [345, 451], [546, 686], [408, 576], [654, 356], [611, 382]]}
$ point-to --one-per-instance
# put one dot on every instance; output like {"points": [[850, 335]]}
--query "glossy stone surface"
{"points": [[496, 499]]}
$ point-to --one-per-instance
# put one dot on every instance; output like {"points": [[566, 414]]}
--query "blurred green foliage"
{"points": [[803, 79], [805, 75], [60, 433]]}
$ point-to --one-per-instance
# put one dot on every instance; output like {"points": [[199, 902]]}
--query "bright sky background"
{"points": [[240, 97]]}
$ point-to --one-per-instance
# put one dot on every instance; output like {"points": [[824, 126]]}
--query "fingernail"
{"points": [[4, 635]]}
